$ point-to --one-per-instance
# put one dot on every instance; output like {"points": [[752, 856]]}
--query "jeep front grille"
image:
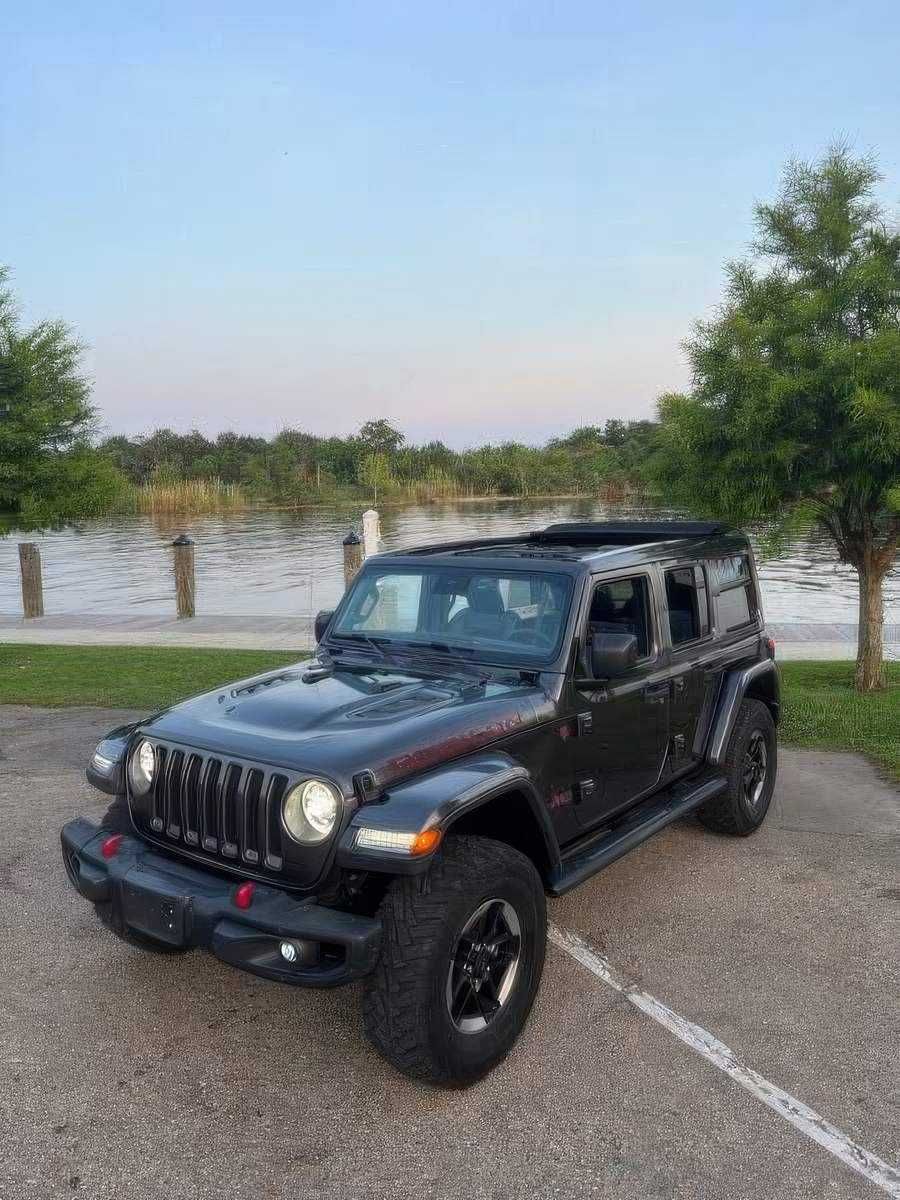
{"points": [[230, 811]]}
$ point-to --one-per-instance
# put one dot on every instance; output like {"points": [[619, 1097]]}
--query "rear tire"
{"points": [[461, 959], [751, 764]]}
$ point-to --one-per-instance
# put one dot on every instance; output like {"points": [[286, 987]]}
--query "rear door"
{"points": [[687, 625], [620, 749]]}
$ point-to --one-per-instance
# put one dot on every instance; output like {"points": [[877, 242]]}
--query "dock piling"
{"points": [[183, 555], [32, 581], [353, 556]]}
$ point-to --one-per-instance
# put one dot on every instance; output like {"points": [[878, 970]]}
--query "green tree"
{"points": [[48, 468], [795, 406], [380, 437], [375, 474]]}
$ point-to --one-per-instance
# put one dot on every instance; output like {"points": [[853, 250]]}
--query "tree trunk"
{"points": [[870, 646]]}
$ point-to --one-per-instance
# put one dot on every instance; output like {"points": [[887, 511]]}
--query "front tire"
{"points": [[461, 959], [751, 764]]}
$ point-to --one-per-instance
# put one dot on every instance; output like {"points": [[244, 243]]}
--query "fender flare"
{"points": [[436, 801], [106, 769], [734, 688]]}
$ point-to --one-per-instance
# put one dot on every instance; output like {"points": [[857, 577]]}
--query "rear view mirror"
{"points": [[322, 621], [612, 654]]}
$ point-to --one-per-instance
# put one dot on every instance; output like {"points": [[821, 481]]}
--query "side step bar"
{"points": [[635, 827]]}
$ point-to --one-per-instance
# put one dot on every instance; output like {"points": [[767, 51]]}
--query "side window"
{"points": [[688, 605], [623, 606], [736, 599]]}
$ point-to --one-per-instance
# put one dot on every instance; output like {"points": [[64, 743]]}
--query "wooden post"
{"points": [[371, 532], [183, 551], [353, 557], [32, 584]]}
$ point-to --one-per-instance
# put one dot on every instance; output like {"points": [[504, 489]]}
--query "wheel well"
{"points": [[765, 688], [508, 818]]}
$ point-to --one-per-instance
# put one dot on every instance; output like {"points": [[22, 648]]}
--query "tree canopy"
{"points": [[795, 404], [48, 468]]}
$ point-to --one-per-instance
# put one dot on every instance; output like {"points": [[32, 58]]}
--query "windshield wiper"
{"points": [[376, 644]]}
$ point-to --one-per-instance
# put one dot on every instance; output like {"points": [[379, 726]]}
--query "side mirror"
{"points": [[322, 620], [612, 654]]}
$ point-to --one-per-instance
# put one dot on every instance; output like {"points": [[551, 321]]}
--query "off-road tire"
{"points": [[729, 812], [405, 1008], [117, 819]]}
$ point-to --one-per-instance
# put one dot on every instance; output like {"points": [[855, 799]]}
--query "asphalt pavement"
{"points": [[129, 1075]]}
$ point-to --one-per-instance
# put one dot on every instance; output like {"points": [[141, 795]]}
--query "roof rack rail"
{"points": [[628, 533]]}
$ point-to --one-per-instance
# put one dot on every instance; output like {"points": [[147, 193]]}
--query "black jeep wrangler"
{"points": [[484, 722]]}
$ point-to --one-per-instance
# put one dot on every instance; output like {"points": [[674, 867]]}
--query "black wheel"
{"points": [[461, 960], [750, 765], [117, 819]]}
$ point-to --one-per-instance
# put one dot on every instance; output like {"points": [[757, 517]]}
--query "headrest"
{"points": [[484, 597]]}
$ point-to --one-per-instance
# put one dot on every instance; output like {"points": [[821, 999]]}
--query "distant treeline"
{"points": [[294, 466]]}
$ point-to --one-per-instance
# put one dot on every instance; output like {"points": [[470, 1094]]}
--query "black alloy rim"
{"points": [[756, 762], [484, 964]]}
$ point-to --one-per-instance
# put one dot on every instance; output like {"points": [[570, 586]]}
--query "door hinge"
{"points": [[678, 745], [585, 723]]}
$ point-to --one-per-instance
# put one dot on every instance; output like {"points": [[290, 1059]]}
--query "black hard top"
{"points": [[576, 545]]}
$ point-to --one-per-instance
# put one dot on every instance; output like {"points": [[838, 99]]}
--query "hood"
{"points": [[392, 724]]}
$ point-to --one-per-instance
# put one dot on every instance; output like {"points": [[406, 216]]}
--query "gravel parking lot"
{"points": [[125, 1074]]}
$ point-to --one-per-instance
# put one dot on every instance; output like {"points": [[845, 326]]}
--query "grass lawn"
{"points": [[821, 709], [144, 677]]}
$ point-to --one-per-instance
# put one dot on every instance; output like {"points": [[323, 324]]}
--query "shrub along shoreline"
{"points": [[821, 708]]}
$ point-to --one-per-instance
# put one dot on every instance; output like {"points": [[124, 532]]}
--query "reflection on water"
{"points": [[278, 563]]}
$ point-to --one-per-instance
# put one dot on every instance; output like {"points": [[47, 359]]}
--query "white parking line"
{"points": [[800, 1116]]}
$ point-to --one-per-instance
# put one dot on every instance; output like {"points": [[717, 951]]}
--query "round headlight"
{"points": [[310, 811], [143, 766]]}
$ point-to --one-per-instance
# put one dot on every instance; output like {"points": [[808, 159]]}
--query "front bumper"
{"points": [[180, 906]]}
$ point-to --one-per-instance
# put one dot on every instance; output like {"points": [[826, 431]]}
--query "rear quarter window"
{"points": [[736, 601]]}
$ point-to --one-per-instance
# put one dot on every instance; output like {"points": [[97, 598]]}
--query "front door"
{"points": [[623, 723]]}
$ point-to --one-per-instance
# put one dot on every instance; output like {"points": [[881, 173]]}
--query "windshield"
{"points": [[507, 616]]}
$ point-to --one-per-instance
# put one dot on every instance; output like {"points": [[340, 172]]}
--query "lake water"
{"points": [[279, 563]]}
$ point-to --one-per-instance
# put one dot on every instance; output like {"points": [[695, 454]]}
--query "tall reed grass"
{"points": [[188, 496]]}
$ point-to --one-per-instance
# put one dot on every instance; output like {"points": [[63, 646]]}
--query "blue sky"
{"points": [[479, 220]]}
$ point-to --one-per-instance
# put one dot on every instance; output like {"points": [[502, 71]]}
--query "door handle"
{"points": [[656, 693]]}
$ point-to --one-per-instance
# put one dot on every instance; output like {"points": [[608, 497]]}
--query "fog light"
{"points": [[288, 952]]}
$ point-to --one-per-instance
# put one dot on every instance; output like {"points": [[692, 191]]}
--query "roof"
{"points": [[580, 542]]}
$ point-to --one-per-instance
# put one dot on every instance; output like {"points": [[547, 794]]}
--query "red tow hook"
{"points": [[243, 896], [109, 847]]}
